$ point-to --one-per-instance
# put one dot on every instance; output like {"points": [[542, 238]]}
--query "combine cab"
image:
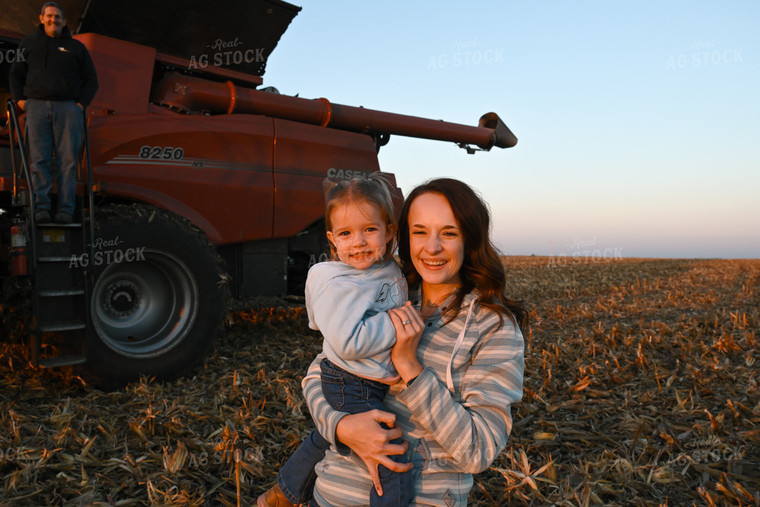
{"points": [[196, 184]]}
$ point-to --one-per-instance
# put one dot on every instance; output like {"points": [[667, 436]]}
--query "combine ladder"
{"points": [[58, 267]]}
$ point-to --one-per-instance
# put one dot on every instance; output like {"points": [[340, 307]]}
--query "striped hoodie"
{"points": [[455, 416]]}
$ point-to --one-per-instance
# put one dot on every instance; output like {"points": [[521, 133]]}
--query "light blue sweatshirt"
{"points": [[349, 307]]}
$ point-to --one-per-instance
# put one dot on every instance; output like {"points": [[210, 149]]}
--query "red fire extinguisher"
{"points": [[19, 264]]}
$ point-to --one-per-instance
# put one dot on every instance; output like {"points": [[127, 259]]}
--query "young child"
{"points": [[347, 300]]}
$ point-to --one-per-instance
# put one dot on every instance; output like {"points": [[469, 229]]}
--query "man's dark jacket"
{"points": [[53, 68]]}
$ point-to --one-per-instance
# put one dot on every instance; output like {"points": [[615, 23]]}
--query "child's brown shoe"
{"points": [[274, 497]]}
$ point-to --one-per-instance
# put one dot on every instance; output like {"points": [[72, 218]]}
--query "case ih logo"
{"points": [[345, 174]]}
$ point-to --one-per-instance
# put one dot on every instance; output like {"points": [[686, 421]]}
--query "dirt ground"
{"points": [[641, 388]]}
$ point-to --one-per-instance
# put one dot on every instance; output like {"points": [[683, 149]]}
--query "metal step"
{"points": [[54, 225], [67, 360], [61, 292], [55, 259], [55, 327]]}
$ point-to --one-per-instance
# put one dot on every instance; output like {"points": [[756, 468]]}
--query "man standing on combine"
{"points": [[53, 83]]}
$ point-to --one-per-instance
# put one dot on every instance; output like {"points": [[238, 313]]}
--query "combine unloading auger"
{"points": [[196, 95]]}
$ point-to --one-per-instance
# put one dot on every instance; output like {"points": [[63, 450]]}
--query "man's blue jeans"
{"points": [[348, 393], [54, 128]]}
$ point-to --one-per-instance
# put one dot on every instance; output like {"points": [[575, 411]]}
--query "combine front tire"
{"points": [[157, 301]]}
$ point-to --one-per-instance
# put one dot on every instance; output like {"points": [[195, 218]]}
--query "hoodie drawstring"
{"points": [[457, 346]]}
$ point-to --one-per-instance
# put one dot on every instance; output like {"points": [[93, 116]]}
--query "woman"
{"points": [[459, 353]]}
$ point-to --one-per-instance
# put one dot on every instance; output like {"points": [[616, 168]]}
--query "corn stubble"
{"points": [[641, 388]]}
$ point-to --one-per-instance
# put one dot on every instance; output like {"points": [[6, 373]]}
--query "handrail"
{"points": [[15, 129], [35, 332], [14, 132], [90, 196], [11, 139]]}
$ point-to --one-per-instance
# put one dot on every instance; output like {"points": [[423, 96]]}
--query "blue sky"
{"points": [[638, 122]]}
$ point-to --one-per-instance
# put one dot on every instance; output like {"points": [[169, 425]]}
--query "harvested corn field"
{"points": [[641, 388]]}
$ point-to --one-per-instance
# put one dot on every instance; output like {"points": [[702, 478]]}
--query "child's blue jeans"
{"points": [[348, 393]]}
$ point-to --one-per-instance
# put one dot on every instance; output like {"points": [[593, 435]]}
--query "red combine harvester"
{"points": [[195, 184]]}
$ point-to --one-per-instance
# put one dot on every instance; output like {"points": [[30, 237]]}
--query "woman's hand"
{"points": [[409, 326], [372, 443]]}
